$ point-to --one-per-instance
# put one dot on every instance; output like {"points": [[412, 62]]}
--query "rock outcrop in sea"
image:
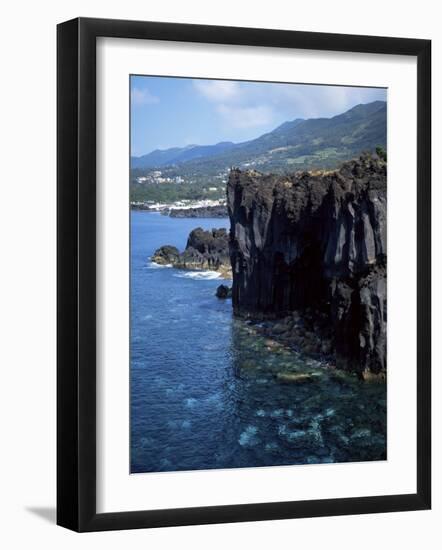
{"points": [[314, 245], [223, 292], [205, 250]]}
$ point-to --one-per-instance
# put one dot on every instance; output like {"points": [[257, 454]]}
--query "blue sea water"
{"points": [[203, 387]]}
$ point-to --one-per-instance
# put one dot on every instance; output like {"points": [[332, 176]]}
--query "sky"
{"points": [[175, 112]]}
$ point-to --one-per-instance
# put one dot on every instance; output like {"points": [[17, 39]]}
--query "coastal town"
{"points": [[169, 176], [156, 176], [184, 207]]}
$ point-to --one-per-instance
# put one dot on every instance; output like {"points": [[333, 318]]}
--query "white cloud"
{"points": [[218, 90], [235, 104], [246, 117], [310, 101], [142, 96], [248, 105]]}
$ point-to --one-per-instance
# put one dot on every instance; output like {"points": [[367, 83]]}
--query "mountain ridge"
{"points": [[175, 155], [320, 142]]}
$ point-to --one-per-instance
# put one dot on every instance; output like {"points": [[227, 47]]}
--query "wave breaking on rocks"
{"points": [[205, 250]]}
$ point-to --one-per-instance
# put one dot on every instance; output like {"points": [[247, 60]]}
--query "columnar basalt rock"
{"points": [[315, 241]]}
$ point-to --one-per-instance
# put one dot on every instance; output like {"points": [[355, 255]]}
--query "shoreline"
{"points": [[225, 275], [180, 208]]}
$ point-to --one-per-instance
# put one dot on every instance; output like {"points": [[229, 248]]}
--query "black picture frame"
{"points": [[76, 274]]}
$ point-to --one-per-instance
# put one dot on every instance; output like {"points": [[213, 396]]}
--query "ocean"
{"points": [[204, 392]]}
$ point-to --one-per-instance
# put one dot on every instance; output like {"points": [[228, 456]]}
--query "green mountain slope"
{"points": [[302, 144], [177, 155], [294, 145]]}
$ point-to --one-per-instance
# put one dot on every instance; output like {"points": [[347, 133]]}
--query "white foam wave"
{"points": [[154, 265], [199, 275]]}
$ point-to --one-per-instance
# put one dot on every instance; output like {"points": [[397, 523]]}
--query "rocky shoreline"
{"points": [[308, 253], [219, 211], [301, 333], [205, 250]]}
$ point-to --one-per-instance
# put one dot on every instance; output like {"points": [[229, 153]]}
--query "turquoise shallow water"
{"points": [[203, 387]]}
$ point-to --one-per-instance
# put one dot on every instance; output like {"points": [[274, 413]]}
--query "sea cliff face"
{"points": [[315, 243]]}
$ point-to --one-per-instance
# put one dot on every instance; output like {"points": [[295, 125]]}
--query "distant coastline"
{"points": [[217, 211]]}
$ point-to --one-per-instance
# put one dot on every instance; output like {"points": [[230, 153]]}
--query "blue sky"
{"points": [[174, 112]]}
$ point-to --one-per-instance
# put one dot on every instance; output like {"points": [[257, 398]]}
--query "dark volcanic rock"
{"points": [[210, 246], [204, 250], [316, 242], [224, 291], [200, 212], [166, 255]]}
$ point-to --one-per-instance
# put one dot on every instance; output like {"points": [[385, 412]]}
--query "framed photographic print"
{"points": [[243, 274]]}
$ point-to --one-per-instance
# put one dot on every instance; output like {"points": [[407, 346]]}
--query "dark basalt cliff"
{"points": [[204, 250], [317, 243]]}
